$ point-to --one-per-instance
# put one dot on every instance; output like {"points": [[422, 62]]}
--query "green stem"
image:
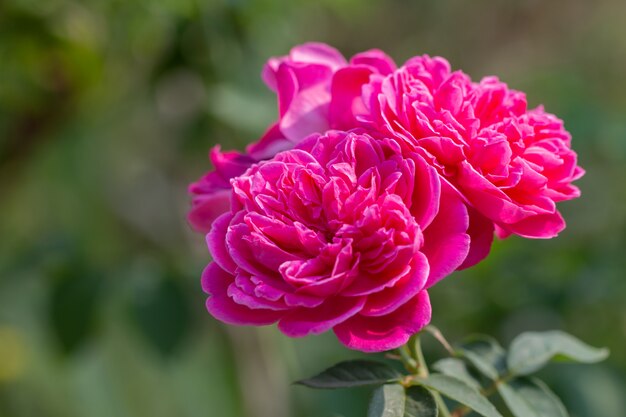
{"points": [[407, 360], [422, 371], [422, 368], [487, 392]]}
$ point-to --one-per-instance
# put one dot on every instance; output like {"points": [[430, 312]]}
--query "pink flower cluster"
{"points": [[375, 183]]}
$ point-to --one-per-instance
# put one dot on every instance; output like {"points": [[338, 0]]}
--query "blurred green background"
{"points": [[107, 111]]}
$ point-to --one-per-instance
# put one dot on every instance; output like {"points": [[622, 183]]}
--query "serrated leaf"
{"points": [[353, 373], [531, 351], [420, 402], [387, 401], [460, 391], [485, 354], [456, 368], [530, 397]]}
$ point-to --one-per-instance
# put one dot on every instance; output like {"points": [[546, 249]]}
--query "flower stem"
{"points": [[407, 359], [422, 371], [422, 368]]}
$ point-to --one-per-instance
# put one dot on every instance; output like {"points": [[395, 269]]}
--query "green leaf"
{"points": [[486, 354], [530, 397], [531, 351], [352, 374], [387, 401], [420, 402], [456, 368], [392, 400], [460, 391]]}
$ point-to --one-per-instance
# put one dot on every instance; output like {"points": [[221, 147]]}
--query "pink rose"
{"points": [[302, 83], [345, 233], [511, 164], [212, 191]]}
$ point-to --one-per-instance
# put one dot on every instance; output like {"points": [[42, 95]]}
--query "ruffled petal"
{"points": [[375, 59], [215, 282], [481, 231], [302, 322], [216, 242], [377, 334], [392, 298], [208, 208], [346, 103], [446, 242]]}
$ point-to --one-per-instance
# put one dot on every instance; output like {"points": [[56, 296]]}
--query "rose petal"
{"points": [[216, 242], [375, 59], [481, 231], [208, 208], [333, 311], [377, 334], [540, 226], [346, 102], [215, 282], [446, 242], [390, 299]]}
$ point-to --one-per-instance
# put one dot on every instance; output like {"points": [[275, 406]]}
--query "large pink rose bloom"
{"points": [[512, 164], [302, 83], [344, 232]]}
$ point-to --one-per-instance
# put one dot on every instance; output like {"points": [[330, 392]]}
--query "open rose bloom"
{"points": [[511, 164], [374, 183]]}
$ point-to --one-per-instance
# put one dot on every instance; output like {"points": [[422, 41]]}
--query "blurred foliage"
{"points": [[107, 111]]}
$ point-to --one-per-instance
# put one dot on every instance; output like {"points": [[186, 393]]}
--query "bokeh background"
{"points": [[107, 111]]}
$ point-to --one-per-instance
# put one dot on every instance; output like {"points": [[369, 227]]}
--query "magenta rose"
{"points": [[302, 83], [510, 163], [212, 191], [344, 232]]}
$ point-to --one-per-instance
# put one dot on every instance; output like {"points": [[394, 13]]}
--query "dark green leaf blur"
{"points": [[107, 111]]}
